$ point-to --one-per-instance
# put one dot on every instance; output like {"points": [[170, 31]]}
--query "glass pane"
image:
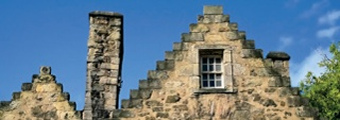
{"points": [[211, 67], [205, 84], [204, 68], [211, 60], [212, 84], [205, 76], [218, 67], [204, 60], [218, 83], [212, 77], [218, 60], [218, 76]]}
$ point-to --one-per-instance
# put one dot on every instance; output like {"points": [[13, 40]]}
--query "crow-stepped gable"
{"points": [[214, 72]]}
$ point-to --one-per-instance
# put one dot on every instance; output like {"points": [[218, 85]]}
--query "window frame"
{"points": [[211, 54]]}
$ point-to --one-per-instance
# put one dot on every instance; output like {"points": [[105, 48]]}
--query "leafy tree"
{"points": [[324, 91]]}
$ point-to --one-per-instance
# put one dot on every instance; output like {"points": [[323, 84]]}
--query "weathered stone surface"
{"points": [[172, 99], [162, 115], [251, 53], [136, 103], [153, 103], [251, 87], [248, 44], [268, 102], [145, 93], [296, 101], [125, 103], [278, 55], [26, 86], [306, 111], [42, 99], [213, 10]]}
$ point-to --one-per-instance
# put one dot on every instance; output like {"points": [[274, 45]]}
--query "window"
{"points": [[211, 69]]}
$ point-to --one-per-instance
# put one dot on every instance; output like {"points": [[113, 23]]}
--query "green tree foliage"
{"points": [[324, 91]]}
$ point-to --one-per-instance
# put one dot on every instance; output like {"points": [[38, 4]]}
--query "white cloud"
{"points": [[285, 42], [330, 18], [314, 9], [310, 63], [327, 33]]}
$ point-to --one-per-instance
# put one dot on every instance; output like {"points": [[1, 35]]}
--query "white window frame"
{"points": [[214, 72]]}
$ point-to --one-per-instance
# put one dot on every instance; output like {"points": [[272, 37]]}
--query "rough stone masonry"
{"points": [[105, 55], [213, 73]]}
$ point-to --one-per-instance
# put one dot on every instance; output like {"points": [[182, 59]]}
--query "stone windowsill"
{"points": [[214, 91]]}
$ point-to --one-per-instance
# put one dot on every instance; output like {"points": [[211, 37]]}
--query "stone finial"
{"points": [[45, 70], [278, 55], [104, 13], [213, 10]]}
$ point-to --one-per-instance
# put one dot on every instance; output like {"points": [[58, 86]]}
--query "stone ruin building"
{"points": [[214, 73]]}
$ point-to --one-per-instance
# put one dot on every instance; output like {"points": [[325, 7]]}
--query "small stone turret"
{"points": [[105, 55], [41, 99]]}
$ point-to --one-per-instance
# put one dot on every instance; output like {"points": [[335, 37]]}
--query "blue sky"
{"points": [[55, 33]]}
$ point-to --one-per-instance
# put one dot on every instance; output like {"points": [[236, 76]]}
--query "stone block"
{"points": [[296, 101], [172, 98], [145, 93], [16, 95], [134, 94], [73, 105], [285, 81], [152, 103], [213, 10], [143, 84], [251, 53], [157, 75], [126, 114], [242, 35], [248, 44], [154, 84], [185, 37], [165, 65], [197, 28], [268, 102], [160, 65], [26, 86], [136, 103], [180, 108], [4, 104], [306, 111], [66, 96], [232, 35], [196, 37], [295, 91], [162, 115], [169, 55], [275, 82], [284, 92], [225, 18], [233, 26], [177, 46], [278, 55], [278, 64], [60, 87], [157, 109], [125, 103]]}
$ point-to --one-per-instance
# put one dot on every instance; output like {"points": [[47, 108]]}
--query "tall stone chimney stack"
{"points": [[104, 60]]}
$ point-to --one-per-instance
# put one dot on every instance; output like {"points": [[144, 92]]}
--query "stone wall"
{"points": [[43, 99], [253, 87], [105, 55]]}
